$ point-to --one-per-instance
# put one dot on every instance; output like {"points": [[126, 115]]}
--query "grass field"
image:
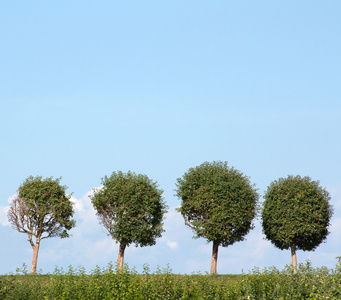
{"points": [[108, 283]]}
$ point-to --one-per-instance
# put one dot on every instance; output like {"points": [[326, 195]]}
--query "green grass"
{"points": [[108, 283]]}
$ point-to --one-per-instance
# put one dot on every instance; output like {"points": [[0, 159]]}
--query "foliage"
{"points": [[296, 210], [41, 210], [111, 283], [130, 206], [308, 283], [218, 202]]}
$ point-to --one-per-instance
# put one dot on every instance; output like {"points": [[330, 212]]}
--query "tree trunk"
{"points": [[35, 255], [214, 258], [121, 256], [293, 257]]}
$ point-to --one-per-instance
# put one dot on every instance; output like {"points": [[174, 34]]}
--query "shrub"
{"points": [[110, 283]]}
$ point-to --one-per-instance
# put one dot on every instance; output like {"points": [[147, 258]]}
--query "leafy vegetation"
{"points": [[112, 283], [219, 203], [41, 210], [296, 214], [131, 208]]}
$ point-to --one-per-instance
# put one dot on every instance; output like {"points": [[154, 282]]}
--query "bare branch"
{"points": [[189, 224], [18, 217]]}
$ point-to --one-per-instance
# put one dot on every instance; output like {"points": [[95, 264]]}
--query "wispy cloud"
{"points": [[173, 245], [3, 212], [3, 215]]}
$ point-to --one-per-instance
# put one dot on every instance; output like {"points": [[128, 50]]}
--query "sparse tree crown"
{"points": [[41, 210]]}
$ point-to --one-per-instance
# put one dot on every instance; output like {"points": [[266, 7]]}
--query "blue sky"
{"points": [[157, 87]]}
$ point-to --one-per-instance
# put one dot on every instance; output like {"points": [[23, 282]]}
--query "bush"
{"points": [[308, 283], [110, 283]]}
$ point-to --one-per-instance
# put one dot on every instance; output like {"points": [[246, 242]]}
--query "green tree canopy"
{"points": [[218, 202], [41, 210], [296, 214], [130, 206]]}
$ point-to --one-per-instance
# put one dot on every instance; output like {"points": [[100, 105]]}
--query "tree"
{"points": [[41, 210], [131, 208], [296, 214], [218, 203]]}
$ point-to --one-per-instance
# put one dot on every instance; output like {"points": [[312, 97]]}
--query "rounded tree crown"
{"points": [[218, 202], [296, 210], [130, 206]]}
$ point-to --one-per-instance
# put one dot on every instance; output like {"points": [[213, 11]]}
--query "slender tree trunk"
{"points": [[214, 258], [121, 256], [35, 255], [293, 257]]}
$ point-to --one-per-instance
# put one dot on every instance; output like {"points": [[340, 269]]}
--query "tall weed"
{"points": [[111, 283]]}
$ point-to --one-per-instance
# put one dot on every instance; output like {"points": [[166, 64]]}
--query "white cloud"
{"points": [[173, 245], [335, 193], [3, 212], [3, 215], [174, 228], [77, 203], [335, 227], [88, 244]]}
